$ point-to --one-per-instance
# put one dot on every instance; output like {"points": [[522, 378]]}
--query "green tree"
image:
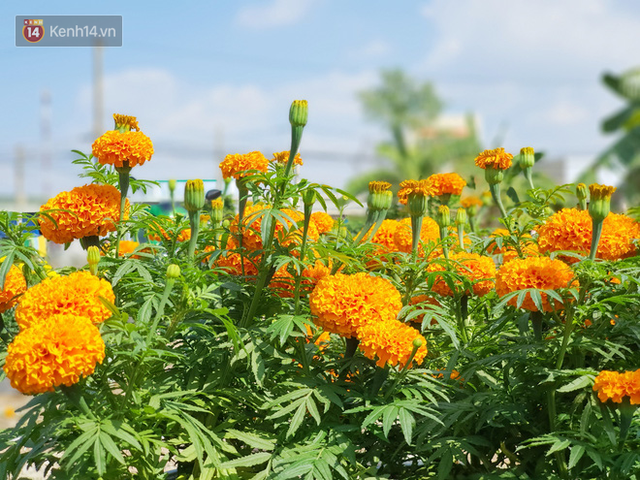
{"points": [[417, 149], [625, 151]]}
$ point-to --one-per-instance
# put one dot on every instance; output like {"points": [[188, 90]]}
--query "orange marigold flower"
{"points": [[345, 303], [284, 282], [55, 352], [323, 221], [127, 247], [76, 294], [93, 210], [570, 229], [115, 148], [541, 273], [385, 236], [14, 286], [237, 165], [391, 341], [468, 202], [496, 158], [412, 187], [445, 183], [283, 157], [379, 187], [430, 232], [616, 386], [232, 262], [479, 269]]}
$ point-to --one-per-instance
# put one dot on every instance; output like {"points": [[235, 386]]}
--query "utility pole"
{"points": [[19, 195], [45, 142], [98, 107]]}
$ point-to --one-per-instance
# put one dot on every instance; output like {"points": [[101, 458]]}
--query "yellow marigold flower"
{"points": [[479, 269], [379, 187], [14, 286], [412, 187], [94, 211], [391, 341], [571, 229], [56, 352], [76, 294], [127, 121], [115, 148], [323, 221], [616, 386], [541, 273], [445, 183], [236, 165], [283, 157], [470, 201], [601, 192], [497, 158], [345, 303], [430, 232]]}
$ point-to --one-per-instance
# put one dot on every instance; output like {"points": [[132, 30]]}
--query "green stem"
{"points": [[194, 221], [403, 371], [472, 223], [461, 236], [536, 323], [444, 234], [123, 182], [296, 137], [416, 230], [305, 231], [163, 301], [559, 456], [351, 347], [595, 237], [461, 316], [529, 177], [495, 194]]}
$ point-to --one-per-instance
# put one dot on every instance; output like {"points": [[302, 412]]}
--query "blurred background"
{"points": [[400, 89]]}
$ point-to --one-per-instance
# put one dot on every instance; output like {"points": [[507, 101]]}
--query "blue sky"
{"points": [[210, 78]]}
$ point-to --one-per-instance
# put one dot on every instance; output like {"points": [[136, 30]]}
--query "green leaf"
{"points": [[110, 446], [576, 384], [577, 451], [251, 439], [248, 461], [390, 415], [559, 444], [297, 419], [99, 457], [407, 421]]}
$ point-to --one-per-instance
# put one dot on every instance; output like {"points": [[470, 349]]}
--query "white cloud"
{"points": [[531, 69], [184, 119], [374, 49], [276, 13]]}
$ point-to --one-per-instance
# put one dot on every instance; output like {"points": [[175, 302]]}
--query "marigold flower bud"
{"points": [[600, 204], [217, 210], [417, 343], [125, 123], [461, 217], [172, 185], [581, 191], [309, 197], [298, 113], [493, 176], [444, 216], [93, 258], [527, 158], [378, 201], [173, 271], [194, 195]]}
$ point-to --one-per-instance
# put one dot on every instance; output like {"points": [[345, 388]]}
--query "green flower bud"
{"points": [[380, 197], [444, 216], [173, 271], [417, 343], [527, 157], [194, 195], [417, 204], [581, 191], [309, 197], [461, 217], [493, 176], [600, 204], [217, 210], [172, 185], [93, 258], [298, 113]]}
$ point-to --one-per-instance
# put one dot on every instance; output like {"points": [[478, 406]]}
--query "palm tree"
{"points": [[410, 110], [626, 122]]}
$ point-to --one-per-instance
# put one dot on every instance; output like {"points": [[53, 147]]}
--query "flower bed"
{"points": [[266, 340]]}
